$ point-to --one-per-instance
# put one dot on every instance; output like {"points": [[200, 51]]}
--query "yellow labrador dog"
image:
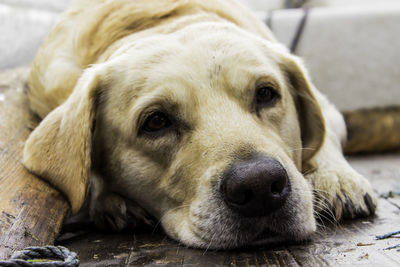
{"points": [[190, 112]]}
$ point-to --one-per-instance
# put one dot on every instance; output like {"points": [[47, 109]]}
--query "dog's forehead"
{"points": [[220, 53], [207, 57]]}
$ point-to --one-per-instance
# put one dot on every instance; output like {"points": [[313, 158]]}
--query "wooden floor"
{"points": [[31, 211], [349, 244]]}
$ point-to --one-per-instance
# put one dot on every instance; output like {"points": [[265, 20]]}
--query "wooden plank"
{"points": [[349, 244], [352, 243], [31, 211], [372, 130]]}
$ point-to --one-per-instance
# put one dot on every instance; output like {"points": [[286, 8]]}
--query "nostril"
{"points": [[277, 187], [237, 195]]}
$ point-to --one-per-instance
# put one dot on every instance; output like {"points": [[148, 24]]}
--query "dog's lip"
{"points": [[268, 237], [273, 239]]}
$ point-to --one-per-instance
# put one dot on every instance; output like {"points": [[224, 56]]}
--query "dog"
{"points": [[191, 113]]}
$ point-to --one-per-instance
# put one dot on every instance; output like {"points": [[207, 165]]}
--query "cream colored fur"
{"points": [[107, 65]]}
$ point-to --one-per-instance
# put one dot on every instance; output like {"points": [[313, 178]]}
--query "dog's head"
{"points": [[209, 129]]}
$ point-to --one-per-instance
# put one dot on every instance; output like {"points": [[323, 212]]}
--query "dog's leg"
{"points": [[110, 211], [340, 191]]}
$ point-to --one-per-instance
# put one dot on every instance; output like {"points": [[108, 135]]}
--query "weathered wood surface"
{"points": [[372, 130], [31, 212], [352, 243]]}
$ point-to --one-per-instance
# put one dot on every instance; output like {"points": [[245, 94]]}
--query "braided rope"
{"points": [[388, 235], [47, 256], [299, 29], [378, 237]]}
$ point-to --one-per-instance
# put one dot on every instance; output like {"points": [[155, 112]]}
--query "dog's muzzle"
{"points": [[255, 187]]}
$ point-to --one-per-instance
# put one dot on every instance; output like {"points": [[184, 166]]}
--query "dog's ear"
{"points": [[58, 150], [308, 109]]}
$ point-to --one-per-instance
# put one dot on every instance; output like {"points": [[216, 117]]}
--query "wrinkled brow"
{"points": [[169, 101]]}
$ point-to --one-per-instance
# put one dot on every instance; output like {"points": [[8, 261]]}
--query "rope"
{"points": [[385, 236], [47, 256], [378, 237], [299, 31]]}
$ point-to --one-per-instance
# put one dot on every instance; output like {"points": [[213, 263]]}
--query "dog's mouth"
{"points": [[268, 238], [223, 230], [243, 233], [232, 232]]}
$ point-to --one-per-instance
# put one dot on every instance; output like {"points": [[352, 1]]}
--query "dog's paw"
{"points": [[112, 212], [342, 194]]}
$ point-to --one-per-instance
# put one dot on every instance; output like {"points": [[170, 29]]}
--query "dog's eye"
{"points": [[266, 96], [156, 122]]}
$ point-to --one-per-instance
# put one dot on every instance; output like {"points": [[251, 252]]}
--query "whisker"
{"points": [[321, 207], [209, 244]]}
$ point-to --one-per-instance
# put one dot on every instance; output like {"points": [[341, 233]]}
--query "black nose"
{"points": [[256, 187]]}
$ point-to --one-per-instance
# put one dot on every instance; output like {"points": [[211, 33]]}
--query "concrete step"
{"points": [[263, 6], [352, 53], [51, 5], [23, 26]]}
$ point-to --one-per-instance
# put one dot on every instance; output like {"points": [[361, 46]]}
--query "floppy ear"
{"points": [[312, 123], [58, 150]]}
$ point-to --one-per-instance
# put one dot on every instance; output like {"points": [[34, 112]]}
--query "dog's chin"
{"points": [[254, 237], [273, 239], [266, 238]]}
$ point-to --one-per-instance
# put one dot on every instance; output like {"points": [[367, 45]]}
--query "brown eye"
{"points": [[266, 96], [156, 122]]}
